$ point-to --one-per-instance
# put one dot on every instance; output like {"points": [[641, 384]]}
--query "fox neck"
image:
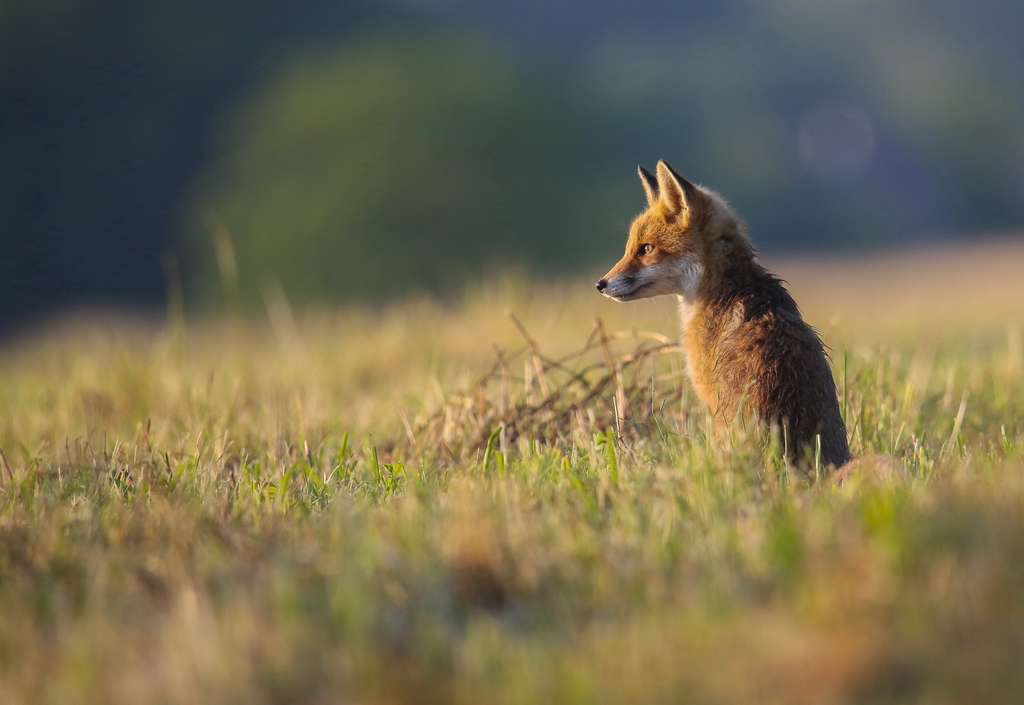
{"points": [[728, 264]]}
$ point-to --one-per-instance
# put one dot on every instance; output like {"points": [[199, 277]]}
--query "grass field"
{"points": [[416, 504]]}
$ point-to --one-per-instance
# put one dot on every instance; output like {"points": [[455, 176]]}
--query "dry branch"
{"points": [[565, 399]]}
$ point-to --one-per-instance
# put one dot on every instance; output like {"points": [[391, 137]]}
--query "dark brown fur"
{"points": [[759, 353]]}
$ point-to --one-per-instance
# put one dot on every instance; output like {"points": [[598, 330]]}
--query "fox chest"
{"points": [[722, 360], [702, 370]]}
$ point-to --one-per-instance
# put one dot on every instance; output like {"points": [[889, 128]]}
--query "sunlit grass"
{"points": [[236, 512]]}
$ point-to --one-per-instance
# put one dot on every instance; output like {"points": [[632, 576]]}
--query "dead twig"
{"points": [[565, 398]]}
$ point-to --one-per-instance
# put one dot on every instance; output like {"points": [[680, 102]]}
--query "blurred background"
{"points": [[335, 151]]}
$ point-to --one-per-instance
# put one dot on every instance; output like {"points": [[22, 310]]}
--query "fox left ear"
{"points": [[678, 197], [650, 185]]}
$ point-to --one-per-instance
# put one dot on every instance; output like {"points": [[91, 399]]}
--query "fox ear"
{"points": [[677, 196], [650, 185]]}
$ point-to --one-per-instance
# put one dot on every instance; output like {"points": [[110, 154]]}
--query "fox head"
{"points": [[681, 242]]}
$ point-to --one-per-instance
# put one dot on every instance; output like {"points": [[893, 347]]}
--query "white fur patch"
{"points": [[689, 274]]}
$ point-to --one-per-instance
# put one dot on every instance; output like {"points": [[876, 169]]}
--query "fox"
{"points": [[748, 350]]}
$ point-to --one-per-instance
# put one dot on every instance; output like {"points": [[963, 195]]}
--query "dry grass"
{"points": [[382, 507]]}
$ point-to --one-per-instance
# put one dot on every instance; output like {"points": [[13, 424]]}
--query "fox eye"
{"points": [[646, 249]]}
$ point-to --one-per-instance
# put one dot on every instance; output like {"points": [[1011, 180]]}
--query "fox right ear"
{"points": [[650, 183], [678, 196]]}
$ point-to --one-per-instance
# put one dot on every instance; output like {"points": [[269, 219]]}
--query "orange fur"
{"points": [[747, 346]]}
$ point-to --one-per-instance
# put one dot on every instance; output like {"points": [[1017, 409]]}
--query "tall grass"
{"points": [[437, 503]]}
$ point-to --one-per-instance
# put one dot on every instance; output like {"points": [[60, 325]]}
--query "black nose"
{"points": [[602, 284]]}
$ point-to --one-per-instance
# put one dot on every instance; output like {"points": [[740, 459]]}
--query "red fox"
{"points": [[747, 346]]}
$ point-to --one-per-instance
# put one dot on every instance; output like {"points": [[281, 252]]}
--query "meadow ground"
{"points": [[442, 503]]}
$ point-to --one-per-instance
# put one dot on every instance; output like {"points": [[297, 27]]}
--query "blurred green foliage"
{"points": [[397, 161]]}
